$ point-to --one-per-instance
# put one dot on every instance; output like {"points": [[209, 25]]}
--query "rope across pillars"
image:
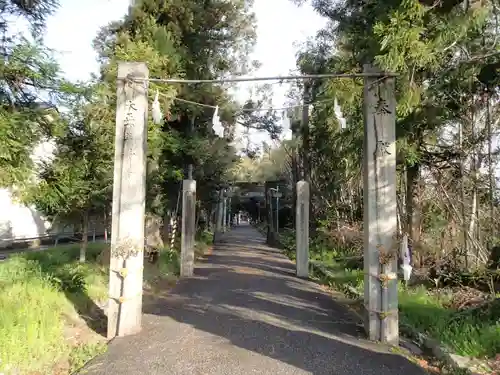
{"points": [[379, 202], [129, 197]]}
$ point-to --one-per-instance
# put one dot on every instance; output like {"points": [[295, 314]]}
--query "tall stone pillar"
{"points": [[302, 229], [219, 216], [188, 227], [129, 197], [380, 216]]}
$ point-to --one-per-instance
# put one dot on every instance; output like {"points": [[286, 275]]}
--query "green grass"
{"points": [[40, 295], [204, 240], [473, 334], [34, 304], [469, 335], [476, 335]]}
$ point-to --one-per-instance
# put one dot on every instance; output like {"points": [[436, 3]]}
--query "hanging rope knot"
{"points": [[123, 272], [129, 80], [385, 256], [383, 315], [385, 278]]}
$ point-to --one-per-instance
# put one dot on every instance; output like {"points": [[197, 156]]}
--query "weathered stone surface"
{"points": [[302, 230]]}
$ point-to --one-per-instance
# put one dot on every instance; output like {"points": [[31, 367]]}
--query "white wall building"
{"points": [[18, 221]]}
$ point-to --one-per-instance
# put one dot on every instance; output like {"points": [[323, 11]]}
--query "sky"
{"points": [[280, 26]]}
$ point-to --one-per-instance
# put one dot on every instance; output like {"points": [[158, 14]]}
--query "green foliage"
{"points": [[466, 334], [79, 178], [68, 279], [81, 354], [176, 39], [182, 39], [446, 60], [32, 334], [27, 70]]}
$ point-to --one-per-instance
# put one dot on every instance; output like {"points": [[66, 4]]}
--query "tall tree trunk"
{"points": [[85, 239], [494, 252], [412, 202], [474, 166], [295, 171], [105, 222], [305, 134], [306, 167], [465, 228]]}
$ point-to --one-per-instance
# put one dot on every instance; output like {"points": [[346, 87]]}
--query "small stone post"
{"points": [[302, 229], [380, 216], [188, 227], [129, 197]]}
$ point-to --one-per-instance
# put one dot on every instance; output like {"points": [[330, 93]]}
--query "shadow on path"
{"points": [[244, 312]]}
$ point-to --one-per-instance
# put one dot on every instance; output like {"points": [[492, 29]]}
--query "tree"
{"points": [[182, 39], [443, 54], [78, 181], [27, 69]]}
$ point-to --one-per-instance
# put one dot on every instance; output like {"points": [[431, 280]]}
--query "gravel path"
{"points": [[245, 313]]}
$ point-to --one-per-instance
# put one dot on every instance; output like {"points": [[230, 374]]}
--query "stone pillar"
{"points": [[271, 233], [188, 227], [224, 213], [379, 202], [219, 216], [129, 197], [302, 229]]}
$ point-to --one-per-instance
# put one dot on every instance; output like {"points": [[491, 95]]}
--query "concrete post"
{"points": [[129, 196], [224, 213], [188, 227], [380, 216], [229, 213], [218, 217], [271, 234], [302, 229]]}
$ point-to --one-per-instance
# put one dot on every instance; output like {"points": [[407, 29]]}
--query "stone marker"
{"points": [[129, 197], [379, 202]]}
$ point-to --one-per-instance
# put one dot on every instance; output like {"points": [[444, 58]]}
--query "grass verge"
{"points": [[475, 333], [50, 307]]}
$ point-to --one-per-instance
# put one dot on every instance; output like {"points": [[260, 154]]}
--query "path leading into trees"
{"points": [[246, 313]]}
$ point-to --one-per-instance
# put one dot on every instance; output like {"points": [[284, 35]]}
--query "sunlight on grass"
{"points": [[468, 335], [465, 335], [35, 293], [33, 304], [30, 332]]}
